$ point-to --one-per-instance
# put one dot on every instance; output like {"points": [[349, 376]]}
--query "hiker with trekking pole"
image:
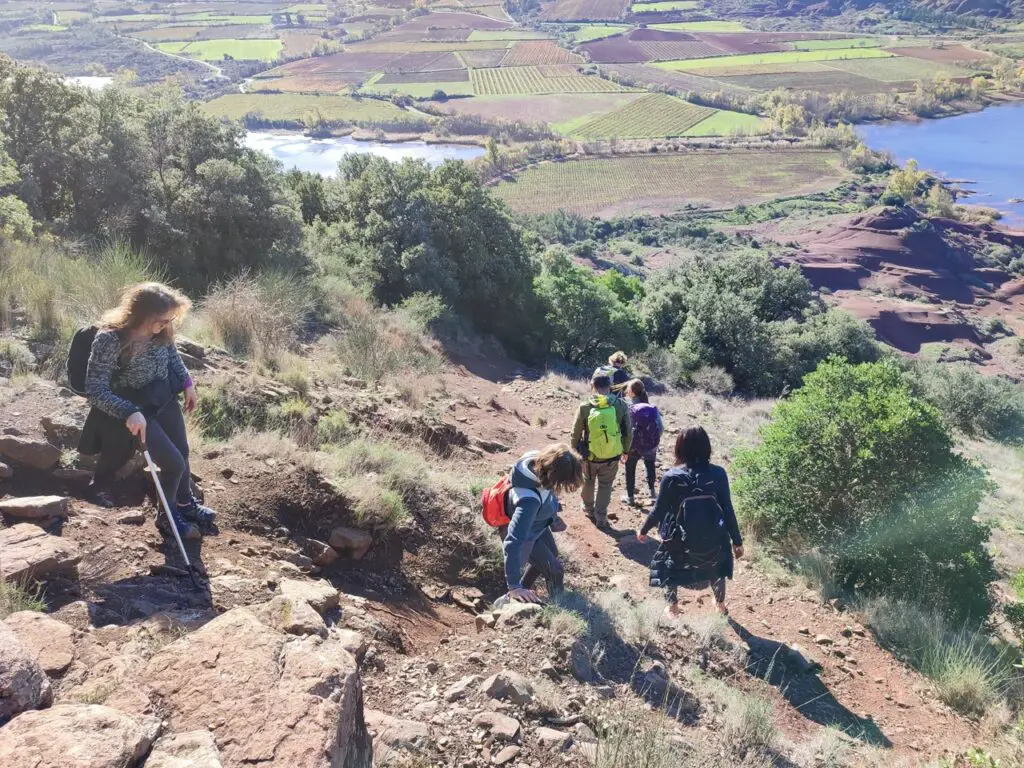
{"points": [[132, 374], [602, 433], [524, 507], [696, 524]]}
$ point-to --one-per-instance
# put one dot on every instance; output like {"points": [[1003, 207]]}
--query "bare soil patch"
{"points": [[484, 59], [665, 51], [614, 49], [434, 76], [548, 108], [584, 10], [449, 20]]}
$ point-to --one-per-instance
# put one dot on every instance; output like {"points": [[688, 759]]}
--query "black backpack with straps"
{"points": [[78, 359], [697, 537]]}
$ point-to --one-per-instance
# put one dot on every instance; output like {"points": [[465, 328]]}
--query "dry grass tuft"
{"points": [[20, 597]]}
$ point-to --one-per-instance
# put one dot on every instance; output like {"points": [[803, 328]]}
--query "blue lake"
{"points": [[985, 147], [322, 155]]}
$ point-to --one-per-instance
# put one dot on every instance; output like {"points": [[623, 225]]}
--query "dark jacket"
{"points": [[531, 510], [665, 570], [580, 436]]}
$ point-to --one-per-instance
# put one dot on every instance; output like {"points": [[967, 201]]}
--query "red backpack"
{"points": [[494, 502]]}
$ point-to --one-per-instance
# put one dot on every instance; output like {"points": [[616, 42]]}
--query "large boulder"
{"points": [[50, 642], [291, 615], [274, 700], [353, 542], [63, 431], [395, 735], [29, 552], [37, 454], [508, 685], [34, 507], [195, 749], [23, 684], [77, 736]]}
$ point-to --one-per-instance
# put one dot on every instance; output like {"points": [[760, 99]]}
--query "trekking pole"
{"points": [[153, 470]]}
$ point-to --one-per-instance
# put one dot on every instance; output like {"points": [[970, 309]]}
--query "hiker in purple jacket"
{"points": [[648, 428]]}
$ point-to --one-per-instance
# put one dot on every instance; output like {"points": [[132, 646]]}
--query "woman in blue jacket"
{"points": [[703, 488], [533, 515]]}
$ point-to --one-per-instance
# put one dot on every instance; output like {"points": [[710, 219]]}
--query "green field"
{"points": [[650, 117], [666, 182], [588, 32], [510, 81], [505, 34], [665, 5], [702, 26], [297, 106], [779, 57], [899, 69], [849, 42], [316, 8], [215, 50], [726, 123]]}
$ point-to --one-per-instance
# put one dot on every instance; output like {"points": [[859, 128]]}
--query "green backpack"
{"points": [[604, 438]]}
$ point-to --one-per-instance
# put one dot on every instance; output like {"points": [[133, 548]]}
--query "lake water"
{"points": [[92, 83], [322, 155], [984, 147]]}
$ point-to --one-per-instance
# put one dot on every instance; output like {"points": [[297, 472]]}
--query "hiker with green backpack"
{"points": [[696, 524], [524, 507], [602, 433]]}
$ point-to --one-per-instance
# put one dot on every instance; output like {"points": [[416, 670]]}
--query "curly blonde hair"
{"points": [[618, 359], [142, 303], [559, 468]]}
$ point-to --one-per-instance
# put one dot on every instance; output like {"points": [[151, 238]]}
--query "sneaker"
{"points": [[628, 500], [186, 530], [197, 513]]}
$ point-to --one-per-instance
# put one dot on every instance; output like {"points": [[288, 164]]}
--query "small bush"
{"points": [[749, 727], [713, 379], [19, 597], [15, 359], [970, 672], [971, 402], [334, 427], [636, 623], [373, 344], [563, 620], [256, 316], [294, 417], [632, 737]]}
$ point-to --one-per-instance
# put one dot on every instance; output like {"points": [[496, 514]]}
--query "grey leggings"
{"points": [[717, 587], [168, 445]]}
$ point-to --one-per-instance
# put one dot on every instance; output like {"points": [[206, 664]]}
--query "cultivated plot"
{"points": [[664, 183], [535, 52], [509, 81], [303, 107], [654, 116], [583, 10], [784, 57], [899, 69], [215, 50]]}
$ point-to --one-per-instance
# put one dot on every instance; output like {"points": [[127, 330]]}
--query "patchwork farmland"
{"points": [[507, 81]]}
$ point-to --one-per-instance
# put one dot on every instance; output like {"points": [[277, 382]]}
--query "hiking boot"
{"points": [[197, 513], [186, 530]]}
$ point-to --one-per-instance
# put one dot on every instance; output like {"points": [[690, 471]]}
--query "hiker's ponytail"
{"points": [[637, 391]]}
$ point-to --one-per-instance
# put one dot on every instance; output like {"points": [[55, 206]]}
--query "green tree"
{"points": [[905, 181], [585, 317], [855, 465]]}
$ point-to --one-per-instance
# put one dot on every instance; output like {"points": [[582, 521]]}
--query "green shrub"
{"points": [[15, 358], [713, 379], [855, 465], [586, 318], [975, 404], [334, 427], [225, 409]]}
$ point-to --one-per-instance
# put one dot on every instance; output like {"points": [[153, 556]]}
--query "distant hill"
{"points": [[982, 8]]}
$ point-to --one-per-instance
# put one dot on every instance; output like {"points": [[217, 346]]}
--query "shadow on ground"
{"points": [[772, 661]]}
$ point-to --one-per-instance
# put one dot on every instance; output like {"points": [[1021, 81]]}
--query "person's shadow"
{"points": [[774, 662]]}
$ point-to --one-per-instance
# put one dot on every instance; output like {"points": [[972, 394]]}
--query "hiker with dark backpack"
{"points": [[648, 428], [602, 433], [132, 378], [696, 523], [524, 507]]}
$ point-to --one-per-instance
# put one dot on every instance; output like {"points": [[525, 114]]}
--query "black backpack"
{"points": [[78, 359], [697, 538]]}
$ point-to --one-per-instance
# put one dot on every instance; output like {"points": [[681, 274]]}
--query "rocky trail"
{"points": [[314, 643]]}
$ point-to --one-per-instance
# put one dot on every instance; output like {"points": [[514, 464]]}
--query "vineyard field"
{"points": [[783, 57], [510, 81], [653, 116]]}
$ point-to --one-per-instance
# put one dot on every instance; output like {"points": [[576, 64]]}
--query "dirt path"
{"points": [[861, 688], [217, 71]]}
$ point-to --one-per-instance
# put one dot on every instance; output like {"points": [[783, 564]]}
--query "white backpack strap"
{"points": [[517, 494]]}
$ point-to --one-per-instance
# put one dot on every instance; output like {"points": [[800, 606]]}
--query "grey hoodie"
{"points": [[531, 510]]}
